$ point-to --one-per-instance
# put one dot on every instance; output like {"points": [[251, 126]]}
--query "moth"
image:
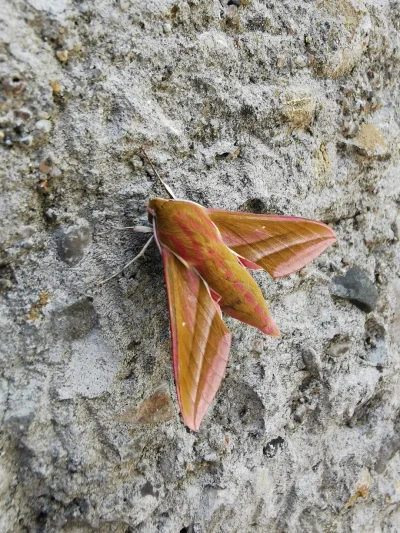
{"points": [[206, 256]]}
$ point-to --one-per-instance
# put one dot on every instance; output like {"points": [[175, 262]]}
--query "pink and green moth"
{"points": [[206, 255]]}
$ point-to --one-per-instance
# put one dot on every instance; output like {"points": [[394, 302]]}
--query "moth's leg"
{"points": [[138, 229], [130, 262], [167, 187]]}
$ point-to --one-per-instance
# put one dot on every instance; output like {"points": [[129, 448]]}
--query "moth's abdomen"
{"points": [[241, 297]]}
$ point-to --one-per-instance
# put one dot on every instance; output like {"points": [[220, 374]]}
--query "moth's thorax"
{"points": [[185, 228], [167, 207]]}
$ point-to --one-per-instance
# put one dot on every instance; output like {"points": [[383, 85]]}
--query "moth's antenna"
{"points": [[129, 263], [141, 229], [167, 187]]}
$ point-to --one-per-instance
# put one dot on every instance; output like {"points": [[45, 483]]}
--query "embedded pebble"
{"points": [[50, 215], [167, 28], [43, 115], [338, 349], [55, 172], [123, 5], [370, 142], [280, 61], [56, 86], [300, 413], [312, 362], [26, 141], [300, 61], [211, 457], [45, 166], [258, 345], [62, 55], [43, 125], [72, 243], [27, 244], [22, 113], [299, 108], [5, 284], [356, 287]]}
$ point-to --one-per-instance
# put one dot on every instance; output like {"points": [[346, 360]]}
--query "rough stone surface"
{"points": [[286, 107], [356, 287]]}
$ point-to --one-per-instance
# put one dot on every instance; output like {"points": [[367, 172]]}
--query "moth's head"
{"points": [[154, 206]]}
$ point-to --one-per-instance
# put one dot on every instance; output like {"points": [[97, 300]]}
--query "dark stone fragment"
{"points": [[5, 284], [388, 450], [148, 490], [51, 215], [356, 287], [72, 244], [22, 113], [262, 205], [255, 205], [78, 507], [312, 362], [235, 3], [272, 447], [365, 413], [188, 529]]}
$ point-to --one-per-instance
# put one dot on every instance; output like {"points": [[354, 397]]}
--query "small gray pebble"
{"points": [[390, 446], [356, 287], [27, 244], [72, 243], [300, 413], [300, 61], [23, 113], [43, 125], [50, 215], [55, 172], [26, 141], [336, 350], [312, 362], [5, 284]]}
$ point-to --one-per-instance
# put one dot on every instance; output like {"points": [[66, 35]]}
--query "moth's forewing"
{"points": [[200, 340], [278, 244]]}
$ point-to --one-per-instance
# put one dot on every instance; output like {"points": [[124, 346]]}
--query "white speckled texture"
{"points": [[287, 107]]}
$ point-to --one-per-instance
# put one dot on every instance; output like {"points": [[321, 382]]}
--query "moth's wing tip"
{"points": [[193, 425], [272, 330]]}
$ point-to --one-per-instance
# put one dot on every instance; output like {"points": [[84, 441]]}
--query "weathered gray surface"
{"points": [[303, 435]]}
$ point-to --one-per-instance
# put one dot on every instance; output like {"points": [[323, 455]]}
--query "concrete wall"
{"points": [[286, 107]]}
